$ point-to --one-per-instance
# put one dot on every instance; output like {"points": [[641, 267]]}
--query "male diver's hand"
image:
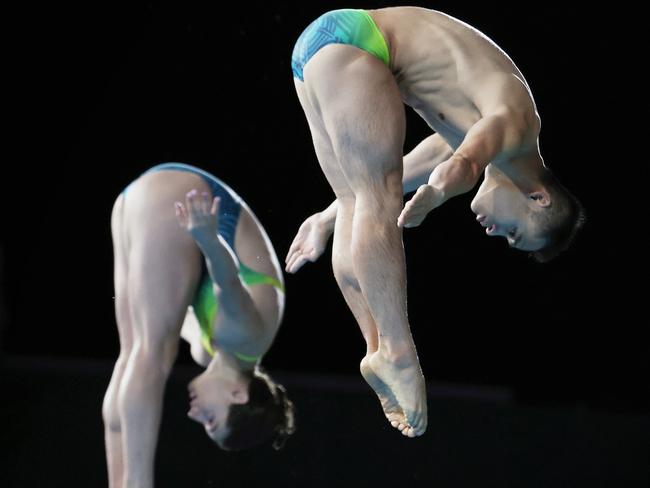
{"points": [[416, 209], [199, 216], [309, 243]]}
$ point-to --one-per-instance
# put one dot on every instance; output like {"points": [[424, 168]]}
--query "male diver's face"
{"points": [[505, 211], [211, 396]]}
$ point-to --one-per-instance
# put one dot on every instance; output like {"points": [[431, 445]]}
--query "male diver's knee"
{"points": [[380, 202]]}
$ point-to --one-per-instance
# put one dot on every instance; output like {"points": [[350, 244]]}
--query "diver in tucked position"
{"points": [[191, 261], [353, 71]]}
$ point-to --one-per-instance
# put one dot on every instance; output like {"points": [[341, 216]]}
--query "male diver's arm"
{"points": [[422, 160], [493, 137], [498, 135], [311, 239], [315, 231]]}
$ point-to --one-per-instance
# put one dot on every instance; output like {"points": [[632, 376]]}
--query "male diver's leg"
{"points": [[110, 414], [164, 266], [361, 108], [341, 252], [341, 256]]}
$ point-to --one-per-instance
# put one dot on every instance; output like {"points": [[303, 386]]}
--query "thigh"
{"points": [[323, 145], [164, 263], [120, 277], [358, 101]]}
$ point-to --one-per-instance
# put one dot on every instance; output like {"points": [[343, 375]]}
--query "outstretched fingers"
{"points": [[298, 258], [199, 214], [181, 214], [214, 210]]}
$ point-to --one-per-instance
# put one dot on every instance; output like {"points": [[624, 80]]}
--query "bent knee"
{"points": [[381, 198], [110, 411], [383, 212], [111, 416]]}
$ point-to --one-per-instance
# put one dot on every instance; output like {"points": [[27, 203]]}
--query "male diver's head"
{"points": [[241, 409], [539, 215]]}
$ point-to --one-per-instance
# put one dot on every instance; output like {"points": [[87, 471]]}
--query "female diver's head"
{"points": [[241, 409]]}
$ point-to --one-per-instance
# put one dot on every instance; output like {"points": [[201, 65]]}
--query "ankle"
{"points": [[400, 354]]}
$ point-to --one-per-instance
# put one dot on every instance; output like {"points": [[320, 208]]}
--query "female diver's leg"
{"points": [[164, 267], [110, 414]]}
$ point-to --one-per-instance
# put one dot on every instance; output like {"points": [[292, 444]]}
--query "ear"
{"points": [[239, 395], [541, 197]]}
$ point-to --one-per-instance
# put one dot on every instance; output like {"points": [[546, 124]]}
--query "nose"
{"points": [[191, 391]]}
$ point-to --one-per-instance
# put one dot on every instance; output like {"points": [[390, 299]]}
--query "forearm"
{"points": [[489, 139], [422, 160], [327, 217], [455, 176], [234, 298], [418, 165], [221, 262]]}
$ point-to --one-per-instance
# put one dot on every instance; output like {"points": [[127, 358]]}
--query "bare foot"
{"points": [[389, 404], [402, 392], [416, 209]]}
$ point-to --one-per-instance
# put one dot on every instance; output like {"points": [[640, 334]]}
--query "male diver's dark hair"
{"points": [[267, 416], [561, 222]]}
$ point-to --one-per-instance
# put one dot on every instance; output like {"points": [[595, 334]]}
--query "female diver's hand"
{"points": [[309, 243], [198, 216], [426, 198]]}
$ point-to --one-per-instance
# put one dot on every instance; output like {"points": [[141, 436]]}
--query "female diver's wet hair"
{"points": [[267, 416], [563, 220]]}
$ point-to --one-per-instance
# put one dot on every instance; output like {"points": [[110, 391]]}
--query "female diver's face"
{"points": [[211, 396]]}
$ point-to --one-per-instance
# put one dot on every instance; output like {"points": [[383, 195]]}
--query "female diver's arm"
{"points": [[199, 217]]}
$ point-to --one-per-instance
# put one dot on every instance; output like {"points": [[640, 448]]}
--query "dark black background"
{"points": [[103, 92]]}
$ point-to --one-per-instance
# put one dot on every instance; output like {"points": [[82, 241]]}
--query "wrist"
{"points": [[326, 221], [435, 194], [439, 196], [206, 240]]}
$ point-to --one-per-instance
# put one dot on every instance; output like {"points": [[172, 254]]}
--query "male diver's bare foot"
{"points": [[389, 404], [402, 391]]}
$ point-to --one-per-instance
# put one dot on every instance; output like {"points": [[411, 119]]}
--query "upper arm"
{"points": [[510, 123], [499, 135], [240, 324], [236, 301]]}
